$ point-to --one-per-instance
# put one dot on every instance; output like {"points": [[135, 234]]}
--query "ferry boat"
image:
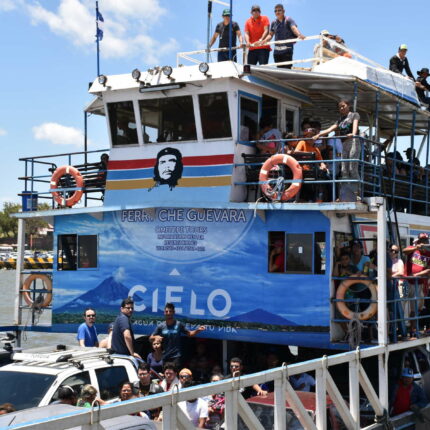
{"points": [[179, 212]]}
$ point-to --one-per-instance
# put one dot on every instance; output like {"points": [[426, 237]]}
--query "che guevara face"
{"points": [[166, 166]]}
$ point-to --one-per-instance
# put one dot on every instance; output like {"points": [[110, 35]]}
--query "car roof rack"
{"points": [[59, 354]]}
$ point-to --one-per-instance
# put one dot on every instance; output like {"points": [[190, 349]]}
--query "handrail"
{"points": [[232, 391]]}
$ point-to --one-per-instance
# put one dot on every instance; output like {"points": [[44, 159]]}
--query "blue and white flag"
{"points": [[100, 21]]}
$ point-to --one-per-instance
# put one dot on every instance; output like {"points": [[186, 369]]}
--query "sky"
{"points": [[48, 57]]}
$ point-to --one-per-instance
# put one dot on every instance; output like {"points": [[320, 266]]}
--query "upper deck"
{"points": [[186, 136]]}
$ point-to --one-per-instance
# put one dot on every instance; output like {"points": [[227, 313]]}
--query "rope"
{"points": [[354, 332]]}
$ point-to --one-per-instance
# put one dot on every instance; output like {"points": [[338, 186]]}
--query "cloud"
{"points": [[58, 134], [126, 35], [119, 275], [3, 132], [8, 5]]}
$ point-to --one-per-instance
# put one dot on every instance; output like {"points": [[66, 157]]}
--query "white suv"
{"points": [[36, 375]]}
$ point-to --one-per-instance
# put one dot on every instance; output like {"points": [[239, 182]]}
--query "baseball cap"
{"points": [[423, 236], [226, 12], [325, 32], [407, 373], [403, 46], [186, 371], [255, 7]]}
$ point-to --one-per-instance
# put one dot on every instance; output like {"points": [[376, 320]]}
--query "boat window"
{"points": [[297, 253], [269, 108], [248, 119], [122, 123], [289, 120], [109, 381], [76, 382], [215, 115], [24, 389], [76, 252], [168, 119]]}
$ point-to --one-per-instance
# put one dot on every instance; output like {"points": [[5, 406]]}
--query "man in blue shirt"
{"points": [[122, 334], [283, 28], [87, 333], [169, 332]]}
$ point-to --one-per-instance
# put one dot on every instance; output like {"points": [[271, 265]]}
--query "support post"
{"points": [[382, 273], [208, 35], [231, 408], [411, 161], [383, 379], [280, 413], [355, 100], [230, 33], [354, 389], [18, 275], [321, 396]]}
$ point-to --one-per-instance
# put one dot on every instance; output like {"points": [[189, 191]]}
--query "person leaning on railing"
{"points": [[351, 148]]}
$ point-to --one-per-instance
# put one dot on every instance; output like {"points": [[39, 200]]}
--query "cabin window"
{"points": [[168, 119], [122, 124], [269, 109], [248, 119], [215, 115], [297, 253], [77, 252]]}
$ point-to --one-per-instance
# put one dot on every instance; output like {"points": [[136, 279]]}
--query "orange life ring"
{"points": [[59, 197], [343, 308], [26, 289], [268, 165]]}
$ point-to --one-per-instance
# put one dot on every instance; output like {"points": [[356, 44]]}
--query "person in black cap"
{"points": [[223, 31], [399, 62], [422, 85]]}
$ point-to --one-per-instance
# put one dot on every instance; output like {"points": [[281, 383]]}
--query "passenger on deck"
{"points": [[320, 143], [303, 382], [184, 376], [398, 167], [357, 257], [170, 376], [418, 265], [6, 408], [256, 30], [348, 127], [277, 257], [283, 28], [169, 332], [88, 397], [268, 132], [407, 395], [87, 333], [290, 145], [196, 410], [344, 267], [122, 336], [236, 369], [422, 86], [126, 392], [101, 174], [66, 396], [399, 62], [223, 31], [155, 358], [216, 406], [107, 341], [417, 170]]}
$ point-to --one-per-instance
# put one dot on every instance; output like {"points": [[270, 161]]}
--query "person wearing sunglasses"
{"points": [[236, 370], [87, 333], [283, 28]]}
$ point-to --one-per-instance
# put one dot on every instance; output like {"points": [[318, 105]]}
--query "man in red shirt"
{"points": [[256, 30]]}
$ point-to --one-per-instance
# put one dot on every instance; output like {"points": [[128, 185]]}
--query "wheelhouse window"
{"points": [[215, 115], [248, 119], [168, 119], [297, 253], [76, 252], [122, 123]]}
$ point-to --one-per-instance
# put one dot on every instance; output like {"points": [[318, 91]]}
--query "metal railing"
{"points": [[38, 171], [236, 406], [377, 174], [319, 54]]}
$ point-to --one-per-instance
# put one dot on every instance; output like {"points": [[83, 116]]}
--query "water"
{"points": [[29, 339]]}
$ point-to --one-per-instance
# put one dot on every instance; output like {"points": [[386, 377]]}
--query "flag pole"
{"points": [[208, 30], [230, 33], [97, 38]]}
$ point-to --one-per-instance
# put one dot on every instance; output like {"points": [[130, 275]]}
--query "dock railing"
{"points": [[347, 404]]}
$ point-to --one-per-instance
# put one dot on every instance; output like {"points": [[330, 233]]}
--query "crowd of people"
{"points": [[408, 281]]}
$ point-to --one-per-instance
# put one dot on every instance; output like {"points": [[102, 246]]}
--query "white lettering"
{"points": [[194, 310], [221, 312], [141, 289], [155, 300]]}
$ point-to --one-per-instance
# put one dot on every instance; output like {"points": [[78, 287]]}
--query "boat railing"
{"points": [[38, 172], [329, 389], [404, 302], [319, 54], [380, 173]]}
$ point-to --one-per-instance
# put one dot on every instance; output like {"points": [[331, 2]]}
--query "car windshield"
{"points": [[24, 389]]}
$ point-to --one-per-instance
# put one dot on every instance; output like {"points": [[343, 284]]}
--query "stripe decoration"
{"points": [[198, 171]]}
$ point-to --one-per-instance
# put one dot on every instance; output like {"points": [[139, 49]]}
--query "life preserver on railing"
{"points": [[290, 162], [26, 290], [343, 308], [58, 196]]}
